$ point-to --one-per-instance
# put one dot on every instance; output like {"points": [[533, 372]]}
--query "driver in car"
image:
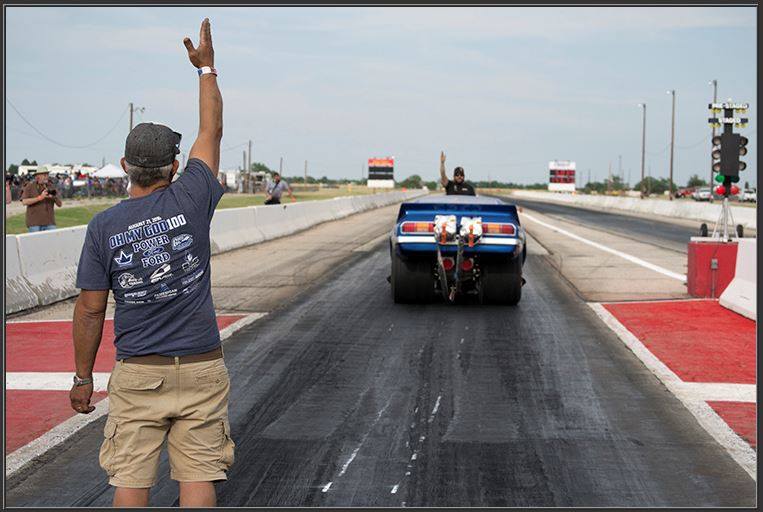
{"points": [[456, 186]]}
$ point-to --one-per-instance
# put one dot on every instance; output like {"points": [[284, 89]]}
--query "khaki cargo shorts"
{"points": [[186, 404]]}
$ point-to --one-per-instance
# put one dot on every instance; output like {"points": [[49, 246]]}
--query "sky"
{"points": [[502, 90]]}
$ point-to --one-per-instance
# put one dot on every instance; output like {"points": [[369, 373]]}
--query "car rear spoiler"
{"points": [[510, 209]]}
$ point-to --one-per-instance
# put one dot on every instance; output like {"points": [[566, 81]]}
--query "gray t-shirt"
{"points": [[153, 252], [276, 189]]}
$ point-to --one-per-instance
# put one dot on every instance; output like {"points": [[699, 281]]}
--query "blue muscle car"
{"points": [[456, 245]]}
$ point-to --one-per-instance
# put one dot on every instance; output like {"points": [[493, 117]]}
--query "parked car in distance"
{"points": [[702, 194], [685, 192], [749, 195]]}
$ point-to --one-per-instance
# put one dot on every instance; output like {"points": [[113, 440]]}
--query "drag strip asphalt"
{"points": [[668, 235], [343, 398]]}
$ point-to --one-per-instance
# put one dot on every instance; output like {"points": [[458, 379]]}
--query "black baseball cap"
{"points": [[458, 170], [152, 145]]}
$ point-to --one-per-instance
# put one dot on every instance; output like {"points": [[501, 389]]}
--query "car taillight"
{"points": [[496, 228], [467, 264], [417, 227], [448, 264]]}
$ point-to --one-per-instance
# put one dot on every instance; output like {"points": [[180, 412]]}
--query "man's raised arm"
{"points": [[443, 177], [207, 145]]}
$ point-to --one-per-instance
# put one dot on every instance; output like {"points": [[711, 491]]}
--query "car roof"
{"points": [[456, 199]]}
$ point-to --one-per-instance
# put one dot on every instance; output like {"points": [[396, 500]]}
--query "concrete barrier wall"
{"points": [[741, 294], [18, 293], [41, 268], [679, 208], [49, 262]]}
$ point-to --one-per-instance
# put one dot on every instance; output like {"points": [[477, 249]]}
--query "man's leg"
{"points": [[34, 229], [49, 227], [197, 494], [129, 497]]}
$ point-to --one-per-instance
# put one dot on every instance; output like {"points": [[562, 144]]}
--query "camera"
{"points": [[52, 191]]}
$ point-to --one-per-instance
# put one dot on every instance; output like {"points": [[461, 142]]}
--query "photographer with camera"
{"points": [[39, 196]]}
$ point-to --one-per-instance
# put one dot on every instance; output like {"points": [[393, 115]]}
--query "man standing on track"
{"points": [[153, 250], [275, 190], [457, 186]]}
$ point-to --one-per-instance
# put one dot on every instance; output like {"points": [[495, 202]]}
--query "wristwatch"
{"points": [[82, 382], [205, 70]]}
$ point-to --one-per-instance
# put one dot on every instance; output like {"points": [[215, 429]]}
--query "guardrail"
{"points": [[41, 268], [681, 209]]}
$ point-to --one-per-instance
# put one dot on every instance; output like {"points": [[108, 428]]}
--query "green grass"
{"points": [[79, 215]]}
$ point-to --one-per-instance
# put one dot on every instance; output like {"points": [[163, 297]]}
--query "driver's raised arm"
{"points": [[443, 177], [207, 145]]}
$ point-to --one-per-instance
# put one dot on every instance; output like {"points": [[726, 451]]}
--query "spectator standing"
{"points": [[40, 197], [153, 251], [275, 189], [68, 187]]}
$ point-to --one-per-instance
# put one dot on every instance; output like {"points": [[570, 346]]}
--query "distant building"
{"points": [[27, 169]]}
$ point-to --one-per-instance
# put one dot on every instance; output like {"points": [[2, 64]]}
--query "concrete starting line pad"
{"points": [[705, 354], [39, 368]]}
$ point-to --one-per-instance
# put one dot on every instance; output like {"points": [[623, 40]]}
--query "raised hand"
{"points": [[442, 157], [204, 55]]}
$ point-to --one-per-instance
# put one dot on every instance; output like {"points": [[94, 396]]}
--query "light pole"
{"points": [[672, 92], [643, 145], [714, 83]]}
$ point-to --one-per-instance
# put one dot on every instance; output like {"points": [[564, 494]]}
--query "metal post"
{"points": [[643, 146], [280, 166], [130, 117], [714, 83], [249, 161], [672, 92]]}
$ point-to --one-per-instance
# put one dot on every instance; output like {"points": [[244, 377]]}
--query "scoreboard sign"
{"points": [[561, 176], [381, 172]]}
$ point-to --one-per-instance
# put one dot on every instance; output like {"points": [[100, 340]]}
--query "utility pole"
{"points": [[714, 83], [609, 178], [643, 145], [135, 109], [280, 166], [672, 92], [249, 161], [620, 167], [305, 172]]}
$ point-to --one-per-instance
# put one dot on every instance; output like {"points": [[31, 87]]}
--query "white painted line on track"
{"points": [[719, 392], [394, 489], [327, 487], [50, 381], [691, 396], [63, 431], [625, 256]]}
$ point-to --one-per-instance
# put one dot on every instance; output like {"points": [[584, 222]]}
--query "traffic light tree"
{"points": [[727, 148]]}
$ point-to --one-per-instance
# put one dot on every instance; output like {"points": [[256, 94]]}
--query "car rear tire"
{"points": [[501, 282], [411, 280]]}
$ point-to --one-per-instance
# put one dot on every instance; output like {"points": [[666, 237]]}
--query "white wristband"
{"points": [[206, 70]]}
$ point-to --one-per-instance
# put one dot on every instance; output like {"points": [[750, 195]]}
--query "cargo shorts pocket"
{"points": [[137, 382], [212, 380], [227, 447], [109, 447]]}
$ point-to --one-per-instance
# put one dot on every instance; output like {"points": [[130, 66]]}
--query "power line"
{"points": [[59, 143], [233, 147]]}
